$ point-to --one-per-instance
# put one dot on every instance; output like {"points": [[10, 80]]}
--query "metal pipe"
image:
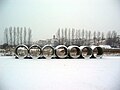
{"points": [[97, 52], [74, 51], [111, 51], [21, 51], [61, 51], [48, 51], [86, 51], [35, 51]]}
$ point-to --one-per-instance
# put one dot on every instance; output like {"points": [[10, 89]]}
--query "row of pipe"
{"points": [[60, 51]]}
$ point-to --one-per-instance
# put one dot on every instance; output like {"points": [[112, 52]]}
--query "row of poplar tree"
{"points": [[17, 35], [86, 37]]}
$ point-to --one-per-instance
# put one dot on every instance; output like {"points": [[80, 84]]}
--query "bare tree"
{"points": [[109, 35], [18, 35], [29, 36], [83, 34], [14, 35], [86, 37], [6, 35], [73, 33], [24, 35], [98, 38], [114, 38], [79, 34], [62, 38], [58, 35], [102, 37], [10, 29], [109, 38], [66, 36], [79, 39], [94, 37], [21, 35], [69, 37], [89, 35]]}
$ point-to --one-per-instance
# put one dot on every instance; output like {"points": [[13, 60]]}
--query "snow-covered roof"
{"points": [[105, 46]]}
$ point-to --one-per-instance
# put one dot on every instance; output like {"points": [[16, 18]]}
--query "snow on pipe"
{"points": [[86, 51], [48, 51], [97, 52], [35, 51], [74, 51], [21, 51], [61, 51]]}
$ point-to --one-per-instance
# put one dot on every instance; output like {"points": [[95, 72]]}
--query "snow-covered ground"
{"points": [[60, 74]]}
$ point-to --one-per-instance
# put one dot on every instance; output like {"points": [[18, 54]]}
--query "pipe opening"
{"points": [[35, 51], [21, 51], [74, 52], [61, 51], [48, 51], [86, 52], [97, 52]]}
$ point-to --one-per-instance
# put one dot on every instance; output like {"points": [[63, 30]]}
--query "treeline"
{"points": [[17, 35], [113, 39], [86, 37]]}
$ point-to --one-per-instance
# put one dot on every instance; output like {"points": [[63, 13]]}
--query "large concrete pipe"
{"points": [[111, 51], [48, 51], [61, 51], [74, 51], [21, 51], [97, 52], [35, 51], [86, 51]]}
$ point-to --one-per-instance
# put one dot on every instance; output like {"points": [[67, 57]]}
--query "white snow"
{"points": [[60, 74]]}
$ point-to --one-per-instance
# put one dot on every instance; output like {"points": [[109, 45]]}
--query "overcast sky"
{"points": [[44, 17]]}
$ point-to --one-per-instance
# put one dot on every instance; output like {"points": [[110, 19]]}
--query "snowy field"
{"points": [[60, 74]]}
